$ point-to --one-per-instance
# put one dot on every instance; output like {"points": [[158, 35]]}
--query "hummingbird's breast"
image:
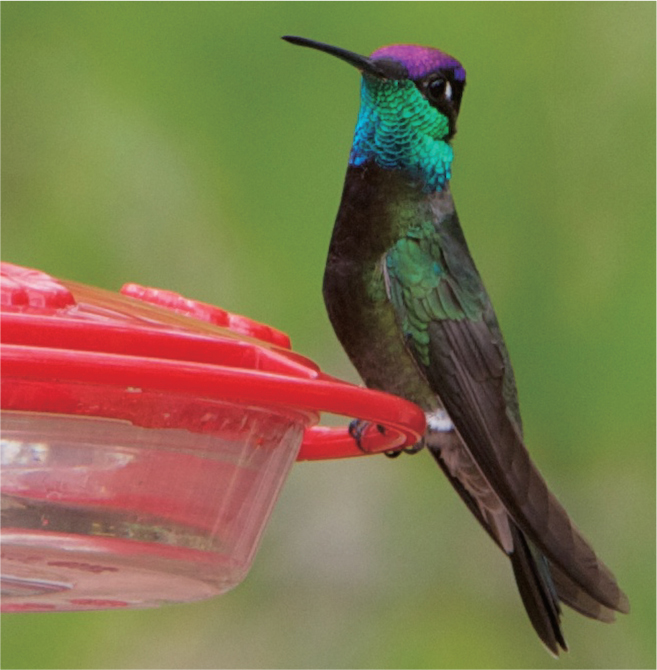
{"points": [[372, 216]]}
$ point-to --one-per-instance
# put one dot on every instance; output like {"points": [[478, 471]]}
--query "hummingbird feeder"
{"points": [[145, 439]]}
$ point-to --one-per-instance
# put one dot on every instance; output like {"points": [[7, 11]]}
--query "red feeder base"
{"points": [[145, 438]]}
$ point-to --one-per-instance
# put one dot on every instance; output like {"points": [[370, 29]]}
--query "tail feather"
{"points": [[538, 593], [576, 598], [532, 573], [542, 584]]}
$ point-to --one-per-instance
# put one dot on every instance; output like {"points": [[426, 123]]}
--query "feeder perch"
{"points": [[145, 439]]}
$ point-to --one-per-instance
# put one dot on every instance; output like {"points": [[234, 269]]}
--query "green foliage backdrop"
{"points": [[185, 146]]}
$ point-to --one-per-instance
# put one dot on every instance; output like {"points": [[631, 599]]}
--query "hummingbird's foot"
{"points": [[418, 446], [393, 454], [438, 421], [357, 429]]}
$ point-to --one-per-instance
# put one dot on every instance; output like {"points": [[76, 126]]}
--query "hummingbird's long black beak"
{"points": [[387, 69]]}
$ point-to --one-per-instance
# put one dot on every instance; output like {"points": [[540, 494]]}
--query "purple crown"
{"points": [[419, 61]]}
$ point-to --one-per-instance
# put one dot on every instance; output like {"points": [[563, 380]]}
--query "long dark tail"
{"points": [[530, 568]]}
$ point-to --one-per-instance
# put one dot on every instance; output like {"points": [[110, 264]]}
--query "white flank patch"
{"points": [[439, 421]]}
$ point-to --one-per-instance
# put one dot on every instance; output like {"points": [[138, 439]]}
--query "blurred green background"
{"points": [[185, 146]]}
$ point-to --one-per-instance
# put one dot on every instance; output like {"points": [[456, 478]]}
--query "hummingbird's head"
{"points": [[410, 100], [438, 77]]}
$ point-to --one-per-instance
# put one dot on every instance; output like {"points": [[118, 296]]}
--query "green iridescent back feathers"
{"points": [[422, 289]]}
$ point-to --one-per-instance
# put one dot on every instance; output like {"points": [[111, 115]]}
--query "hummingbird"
{"points": [[410, 309]]}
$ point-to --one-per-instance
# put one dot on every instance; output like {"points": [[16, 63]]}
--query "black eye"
{"points": [[439, 89]]}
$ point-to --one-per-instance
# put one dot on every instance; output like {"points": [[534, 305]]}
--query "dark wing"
{"points": [[467, 368], [453, 334]]}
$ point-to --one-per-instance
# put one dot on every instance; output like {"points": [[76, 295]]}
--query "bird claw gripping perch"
{"points": [[359, 427], [439, 427], [418, 446]]}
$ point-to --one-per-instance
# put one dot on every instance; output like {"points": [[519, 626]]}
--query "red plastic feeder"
{"points": [[145, 438]]}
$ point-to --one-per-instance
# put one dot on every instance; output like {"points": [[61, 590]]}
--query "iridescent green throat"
{"points": [[399, 129]]}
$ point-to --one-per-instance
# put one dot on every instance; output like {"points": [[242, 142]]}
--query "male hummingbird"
{"points": [[411, 311]]}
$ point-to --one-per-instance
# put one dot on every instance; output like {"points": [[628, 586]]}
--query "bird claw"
{"points": [[418, 446], [357, 429]]}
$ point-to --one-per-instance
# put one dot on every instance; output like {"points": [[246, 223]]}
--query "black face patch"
{"points": [[444, 92]]}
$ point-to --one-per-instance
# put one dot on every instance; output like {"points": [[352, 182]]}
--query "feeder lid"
{"points": [[156, 339]]}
